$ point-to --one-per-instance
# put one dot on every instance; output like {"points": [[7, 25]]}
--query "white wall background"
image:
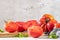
{"points": [[23, 10]]}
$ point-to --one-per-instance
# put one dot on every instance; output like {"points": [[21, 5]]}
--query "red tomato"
{"points": [[35, 31], [11, 27], [47, 22], [20, 26]]}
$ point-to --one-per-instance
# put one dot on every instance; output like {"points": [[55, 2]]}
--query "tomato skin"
{"points": [[20, 26], [11, 27], [50, 25], [35, 31], [30, 23], [42, 21], [58, 25]]}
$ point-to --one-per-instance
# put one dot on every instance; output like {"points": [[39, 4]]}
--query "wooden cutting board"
{"points": [[10, 35], [6, 35]]}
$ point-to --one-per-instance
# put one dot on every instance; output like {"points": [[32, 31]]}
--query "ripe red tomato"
{"points": [[47, 22], [35, 31], [11, 27], [20, 26]]}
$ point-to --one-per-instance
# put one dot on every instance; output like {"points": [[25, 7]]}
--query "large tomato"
{"points": [[11, 27], [47, 22], [35, 31]]}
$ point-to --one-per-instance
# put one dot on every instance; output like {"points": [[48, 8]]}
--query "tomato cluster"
{"points": [[33, 27]]}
